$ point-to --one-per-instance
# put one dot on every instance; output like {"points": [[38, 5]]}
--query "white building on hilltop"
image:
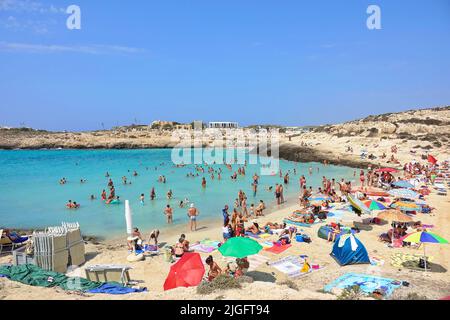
{"points": [[223, 125]]}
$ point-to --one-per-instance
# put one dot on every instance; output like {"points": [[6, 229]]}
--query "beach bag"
{"points": [[306, 238], [299, 238]]}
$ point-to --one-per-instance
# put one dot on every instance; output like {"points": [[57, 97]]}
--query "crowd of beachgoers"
{"points": [[370, 191]]}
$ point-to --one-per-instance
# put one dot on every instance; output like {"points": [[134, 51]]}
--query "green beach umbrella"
{"points": [[424, 237], [240, 247]]}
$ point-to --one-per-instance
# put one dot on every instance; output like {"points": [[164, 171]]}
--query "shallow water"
{"points": [[31, 196]]}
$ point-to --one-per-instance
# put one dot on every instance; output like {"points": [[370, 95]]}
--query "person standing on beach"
{"points": [[277, 194], [362, 178], [244, 207], [169, 214], [192, 214], [225, 214]]}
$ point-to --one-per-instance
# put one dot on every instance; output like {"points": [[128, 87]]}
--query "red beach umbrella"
{"points": [[432, 159], [187, 272]]}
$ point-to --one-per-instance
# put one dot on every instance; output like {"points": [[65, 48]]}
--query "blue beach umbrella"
{"points": [[403, 184], [403, 193]]}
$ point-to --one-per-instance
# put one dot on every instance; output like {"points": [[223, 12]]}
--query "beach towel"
{"points": [[109, 288], [205, 246], [408, 261], [267, 244], [202, 248], [301, 224], [294, 266], [375, 261], [252, 235], [265, 235], [367, 283], [278, 249], [255, 261]]}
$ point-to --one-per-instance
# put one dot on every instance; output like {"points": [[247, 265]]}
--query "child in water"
{"points": [[142, 198]]}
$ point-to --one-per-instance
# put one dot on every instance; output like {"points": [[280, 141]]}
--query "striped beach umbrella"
{"points": [[424, 237], [405, 206], [403, 193], [374, 205]]}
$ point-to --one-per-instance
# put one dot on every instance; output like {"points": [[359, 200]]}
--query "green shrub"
{"points": [[222, 282], [351, 293]]}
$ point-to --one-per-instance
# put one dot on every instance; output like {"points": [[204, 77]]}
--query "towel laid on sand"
{"points": [[294, 266], [278, 249], [366, 283], [205, 246]]}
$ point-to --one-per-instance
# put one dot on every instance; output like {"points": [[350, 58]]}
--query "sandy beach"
{"points": [[268, 282]]}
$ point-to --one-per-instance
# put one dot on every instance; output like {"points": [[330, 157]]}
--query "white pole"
{"points": [[128, 218], [424, 257]]}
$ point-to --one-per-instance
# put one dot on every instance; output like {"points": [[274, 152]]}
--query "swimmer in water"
{"points": [[142, 198], [169, 214], [152, 194]]}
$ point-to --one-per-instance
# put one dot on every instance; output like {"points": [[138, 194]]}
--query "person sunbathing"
{"points": [[15, 237], [254, 228], [274, 225], [214, 269]]}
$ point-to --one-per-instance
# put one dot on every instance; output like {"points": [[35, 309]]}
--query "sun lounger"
{"points": [[5, 242], [108, 273]]}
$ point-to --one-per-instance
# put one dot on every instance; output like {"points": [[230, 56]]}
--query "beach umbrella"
{"points": [[394, 216], [374, 205], [403, 193], [187, 272], [240, 247], [405, 206], [386, 170], [432, 159], [403, 184], [424, 237], [128, 218]]}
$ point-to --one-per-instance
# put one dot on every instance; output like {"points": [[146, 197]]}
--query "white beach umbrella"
{"points": [[128, 217]]}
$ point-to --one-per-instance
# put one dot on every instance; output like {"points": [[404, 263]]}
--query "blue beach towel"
{"points": [[115, 289]]}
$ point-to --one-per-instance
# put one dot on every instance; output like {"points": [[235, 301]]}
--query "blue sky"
{"points": [[252, 61]]}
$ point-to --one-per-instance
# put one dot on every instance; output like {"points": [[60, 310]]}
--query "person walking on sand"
{"points": [[192, 214], [168, 211]]}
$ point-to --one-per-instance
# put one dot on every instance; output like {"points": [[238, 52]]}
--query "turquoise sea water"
{"points": [[31, 196]]}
